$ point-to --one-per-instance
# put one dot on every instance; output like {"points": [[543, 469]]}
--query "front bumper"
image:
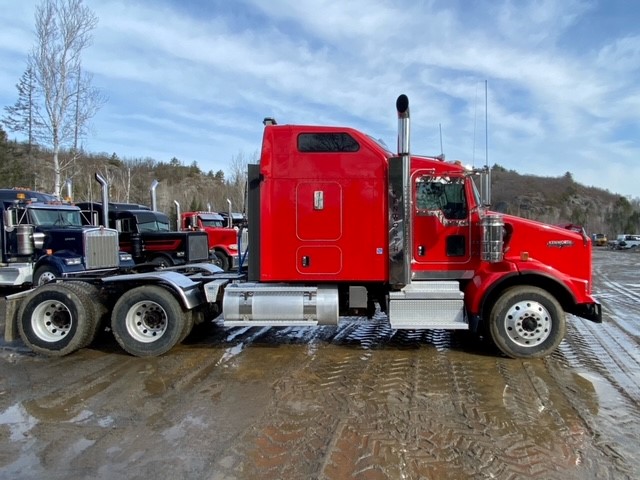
{"points": [[589, 311]]}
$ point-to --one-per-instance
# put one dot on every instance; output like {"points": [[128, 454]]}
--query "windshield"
{"points": [[212, 223], [476, 192], [47, 217], [154, 226]]}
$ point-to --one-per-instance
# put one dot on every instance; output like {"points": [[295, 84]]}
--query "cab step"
{"points": [[428, 305]]}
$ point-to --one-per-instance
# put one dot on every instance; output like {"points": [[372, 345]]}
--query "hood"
{"points": [[568, 250]]}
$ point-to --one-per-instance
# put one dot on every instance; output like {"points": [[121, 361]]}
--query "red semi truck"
{"points": [[340, 226], [222, 239]]}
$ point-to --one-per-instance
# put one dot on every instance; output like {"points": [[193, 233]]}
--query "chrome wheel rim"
{"points": [[146, 321], [528, 323], [51, 321], [46, 277]]}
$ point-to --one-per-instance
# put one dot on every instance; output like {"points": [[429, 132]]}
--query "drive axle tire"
{"points": [[56, 320], [96, 306], [148, 321], [527, 322]]}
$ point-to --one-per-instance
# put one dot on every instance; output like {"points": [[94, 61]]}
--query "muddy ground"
{"points": [[359, 401]]}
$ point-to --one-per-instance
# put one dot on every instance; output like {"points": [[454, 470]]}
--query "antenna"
{"points": [[441, 149], [486, 142]]}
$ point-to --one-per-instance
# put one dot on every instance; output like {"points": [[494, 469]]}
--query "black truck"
{"points": [[147, 235]]}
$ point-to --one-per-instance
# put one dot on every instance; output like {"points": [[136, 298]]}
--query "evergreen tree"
{"points": [[24, 115]]}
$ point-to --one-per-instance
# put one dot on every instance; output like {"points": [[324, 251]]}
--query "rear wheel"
{"points": [[148, 321], [96, 307], [527, 322], [56, 320]]}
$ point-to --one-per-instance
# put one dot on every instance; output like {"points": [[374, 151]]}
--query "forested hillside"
{"points": [[549, 199]]}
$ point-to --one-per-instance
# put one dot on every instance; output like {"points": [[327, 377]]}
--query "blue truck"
{"points": [[42, 239]]}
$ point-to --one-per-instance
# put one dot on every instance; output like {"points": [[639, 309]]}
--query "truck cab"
{"points": [[147, 234], [43, 239], [222, 239], [334, 208]]}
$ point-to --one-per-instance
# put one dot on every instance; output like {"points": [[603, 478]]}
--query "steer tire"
{"points": [[45, 274], [148, 321], [55, 320], [221, 260], [527, 322]]}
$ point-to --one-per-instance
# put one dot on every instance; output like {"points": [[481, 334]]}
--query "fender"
{"points": [[59, 260], [491, 278]]}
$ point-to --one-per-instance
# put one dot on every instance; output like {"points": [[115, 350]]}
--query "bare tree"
{"points": [[68, 101], [238, 179]]}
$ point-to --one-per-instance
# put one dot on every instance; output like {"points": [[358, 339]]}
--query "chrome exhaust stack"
{"points": [[402, 105], [178, 215], [154, 203], [105, 199], [68, 183], [400, 231]]}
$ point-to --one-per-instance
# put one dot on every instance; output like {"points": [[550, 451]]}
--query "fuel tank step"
{"points": [[428, 305]]}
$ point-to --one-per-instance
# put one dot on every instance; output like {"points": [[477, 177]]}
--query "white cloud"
{"points": [[195, 84]]}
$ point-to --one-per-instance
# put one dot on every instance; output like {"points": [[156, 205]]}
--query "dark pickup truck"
{"points": [[147, 235]]}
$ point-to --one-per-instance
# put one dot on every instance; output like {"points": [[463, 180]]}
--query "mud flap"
{"points": [[12, 306]]}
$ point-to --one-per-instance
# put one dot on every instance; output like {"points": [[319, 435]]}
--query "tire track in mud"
{"points": [[595, 354], [407, 406], [618, 299]]}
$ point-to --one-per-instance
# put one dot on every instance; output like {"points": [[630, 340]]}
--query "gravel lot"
{"points": [[358, 401]]}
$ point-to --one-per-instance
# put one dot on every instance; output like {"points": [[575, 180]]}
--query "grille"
{"points": [[198, 247], [101, 248]]}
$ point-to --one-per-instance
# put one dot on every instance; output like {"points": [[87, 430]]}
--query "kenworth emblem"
{"points": [[560, 243]]}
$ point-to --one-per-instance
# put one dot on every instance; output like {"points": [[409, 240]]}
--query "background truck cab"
{"points": [[222, 239], [147, 235], [42, 238]]}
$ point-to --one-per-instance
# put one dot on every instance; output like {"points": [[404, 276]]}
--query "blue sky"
{"points": [[193, 79]]}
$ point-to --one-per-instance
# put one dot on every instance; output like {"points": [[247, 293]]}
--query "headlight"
{"points": [[73, 261], [179, 254], [126, 257], [233, 246]]}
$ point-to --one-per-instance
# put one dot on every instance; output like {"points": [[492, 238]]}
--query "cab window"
{"points": [[443, 194], [327, 142]]}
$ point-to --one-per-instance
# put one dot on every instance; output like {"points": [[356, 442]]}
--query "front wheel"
{"points": [[161, 262], [45, 274], [527, 322], [221, 260], [148, 321]]}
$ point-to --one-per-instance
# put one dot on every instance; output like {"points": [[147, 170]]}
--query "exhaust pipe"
{"points": [[69, 189], [105, 199], [402, 106], [208, 207], [154, 204], [230, 219], [178, 213]]}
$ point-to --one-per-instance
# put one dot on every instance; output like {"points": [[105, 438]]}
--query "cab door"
{"points": [[441, 227]]}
